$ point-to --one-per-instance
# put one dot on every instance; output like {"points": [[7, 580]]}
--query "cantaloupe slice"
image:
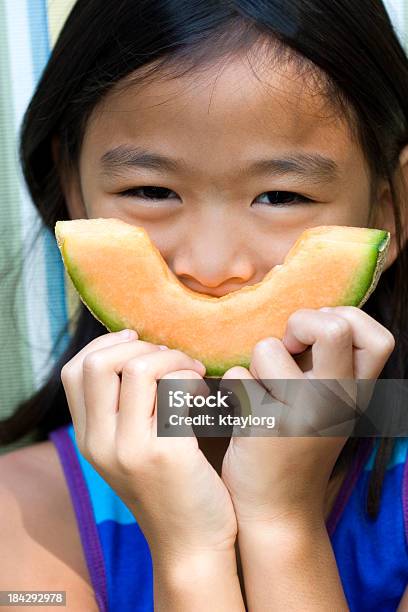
{"points": [[125, 282]]}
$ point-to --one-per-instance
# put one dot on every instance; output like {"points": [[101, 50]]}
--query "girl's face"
{"points": [[224, 171]]}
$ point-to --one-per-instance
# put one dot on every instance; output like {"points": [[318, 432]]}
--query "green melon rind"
{"points": [[378, 263], [366, 279], [357, 296]]}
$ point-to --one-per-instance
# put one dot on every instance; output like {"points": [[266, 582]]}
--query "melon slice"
{"points": [[124, 281]]}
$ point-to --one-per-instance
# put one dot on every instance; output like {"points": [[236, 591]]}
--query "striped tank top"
{"points": [[371, 555]]}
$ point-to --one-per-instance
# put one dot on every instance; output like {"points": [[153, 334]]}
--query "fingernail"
{"points": [[163, 347], [127, 334], [326, 309]]}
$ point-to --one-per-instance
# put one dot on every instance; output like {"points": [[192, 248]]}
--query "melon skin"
{"points": [[123, 280]]}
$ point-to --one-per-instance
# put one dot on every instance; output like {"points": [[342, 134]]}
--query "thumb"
{"points": [[191, 383]]}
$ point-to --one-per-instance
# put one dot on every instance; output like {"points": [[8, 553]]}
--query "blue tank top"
{"points": [[371, 555]]}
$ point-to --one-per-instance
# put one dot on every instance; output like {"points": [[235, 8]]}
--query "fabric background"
{"points": [[37, 300]]}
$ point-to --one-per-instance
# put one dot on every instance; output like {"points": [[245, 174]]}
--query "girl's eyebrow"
{"points": [[312, 166]]}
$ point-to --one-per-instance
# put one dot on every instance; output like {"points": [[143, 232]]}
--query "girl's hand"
{"points": [[286, 477], [178, 499]]}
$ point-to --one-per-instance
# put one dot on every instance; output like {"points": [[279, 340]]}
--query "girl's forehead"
{"points": [[232, 108]]}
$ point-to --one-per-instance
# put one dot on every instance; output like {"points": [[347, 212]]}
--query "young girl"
{"points": [[225, 129]]}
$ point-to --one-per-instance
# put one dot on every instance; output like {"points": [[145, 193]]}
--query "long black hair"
{"points": [[350, 46]]}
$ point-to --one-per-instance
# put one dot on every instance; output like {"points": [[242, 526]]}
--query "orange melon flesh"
{"points": [[123, 279]]}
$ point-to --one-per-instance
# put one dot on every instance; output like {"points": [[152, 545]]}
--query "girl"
{"points": [[225, 129]]}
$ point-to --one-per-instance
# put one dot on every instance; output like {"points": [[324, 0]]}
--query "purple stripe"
{"points": [[405, 499], [84, 513], [363, 452]]}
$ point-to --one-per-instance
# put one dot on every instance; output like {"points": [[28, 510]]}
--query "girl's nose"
{"points": [[213, 267]]}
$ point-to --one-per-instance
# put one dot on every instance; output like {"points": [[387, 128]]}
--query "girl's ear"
{"points": [[70, 184], [384, 214]]}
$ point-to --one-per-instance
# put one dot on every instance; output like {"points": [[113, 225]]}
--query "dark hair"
{"points": [[348, 48]]}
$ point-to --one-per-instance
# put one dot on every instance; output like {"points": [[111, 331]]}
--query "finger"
{"points": [[242, 394], [271, 359], [101, 383], [320, 407], [272, 365], [139, 387], [72, 378], [373, 343], [331, 338], [100, 342], [192, 383], [251, 398], [238, 373]]}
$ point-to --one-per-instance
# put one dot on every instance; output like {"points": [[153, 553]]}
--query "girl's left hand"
{"points": [[274, 478]]}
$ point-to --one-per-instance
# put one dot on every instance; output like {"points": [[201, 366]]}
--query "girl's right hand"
{"points": [[176, 496]]}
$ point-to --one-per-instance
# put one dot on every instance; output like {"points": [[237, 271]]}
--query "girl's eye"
{"points": [[277, 198], [282, 198], [153, 193]]}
